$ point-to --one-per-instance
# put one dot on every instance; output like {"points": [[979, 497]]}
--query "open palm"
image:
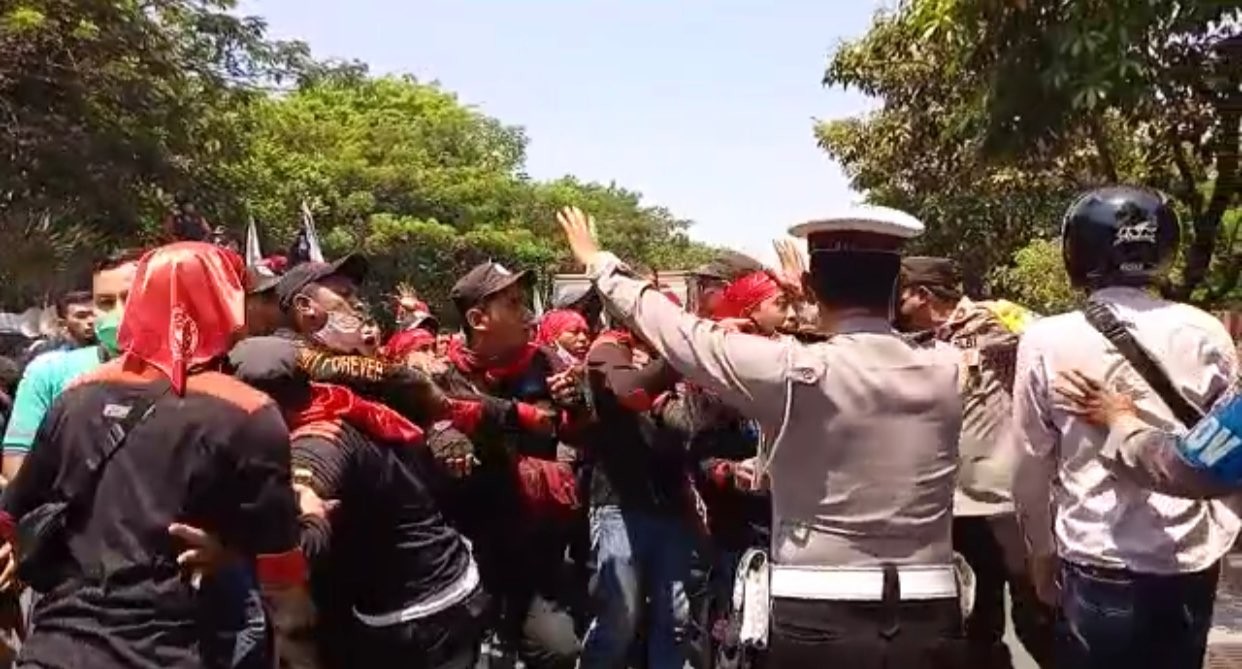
{"points": [[578, 225]]}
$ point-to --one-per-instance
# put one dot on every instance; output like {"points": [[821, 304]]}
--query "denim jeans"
{"points": [[639, 558], [1117, 618], [236, 623]]}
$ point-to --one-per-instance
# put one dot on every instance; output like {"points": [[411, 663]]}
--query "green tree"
{"points": [[425, 185], [107, 107], [1036, 279], [994, 114]]}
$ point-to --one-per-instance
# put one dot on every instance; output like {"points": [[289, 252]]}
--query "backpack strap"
{"points": [[1102, 318]]}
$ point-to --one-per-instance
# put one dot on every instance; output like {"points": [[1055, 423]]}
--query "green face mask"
{"points": [[106, 327]]}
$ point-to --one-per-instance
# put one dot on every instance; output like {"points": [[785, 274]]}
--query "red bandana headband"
{"points": [[402, 343], [746, 293]]}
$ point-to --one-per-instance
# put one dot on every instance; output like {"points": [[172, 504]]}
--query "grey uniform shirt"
{"points": [[863, 429], [987, 450]]}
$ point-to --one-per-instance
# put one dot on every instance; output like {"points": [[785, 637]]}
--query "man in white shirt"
{"points": [[1137, 569]]}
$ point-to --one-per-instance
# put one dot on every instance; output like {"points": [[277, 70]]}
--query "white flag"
{"points": [[254, 255], [314, 251]]}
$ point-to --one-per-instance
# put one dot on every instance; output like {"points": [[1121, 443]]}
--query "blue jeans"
{"points": [[236, 621], [638, 557], [1117, 618]]}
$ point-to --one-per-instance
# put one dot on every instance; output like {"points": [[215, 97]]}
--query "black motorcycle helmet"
{"points": [[1119, 236]]}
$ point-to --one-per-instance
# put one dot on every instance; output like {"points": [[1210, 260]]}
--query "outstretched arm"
{"points": [[750, 373]]}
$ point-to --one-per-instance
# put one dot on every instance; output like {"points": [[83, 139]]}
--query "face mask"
{"points": [[341, 333], [106, 327]]}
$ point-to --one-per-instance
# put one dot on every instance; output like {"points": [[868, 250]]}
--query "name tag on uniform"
{"points": [[1215, 443]]}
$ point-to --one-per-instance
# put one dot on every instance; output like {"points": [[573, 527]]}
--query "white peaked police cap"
{"points": [[867, 218]]}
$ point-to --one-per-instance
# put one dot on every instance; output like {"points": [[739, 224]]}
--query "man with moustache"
{"points": [[985, 529]]}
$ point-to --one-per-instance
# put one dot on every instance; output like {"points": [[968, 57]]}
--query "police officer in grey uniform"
{"points": [[861, 434]]}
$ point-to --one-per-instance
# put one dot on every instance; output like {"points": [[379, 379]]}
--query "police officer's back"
{"points": [[863, 432]]}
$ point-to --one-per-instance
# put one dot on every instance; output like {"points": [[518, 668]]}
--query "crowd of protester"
{"points": [[217, 465]]}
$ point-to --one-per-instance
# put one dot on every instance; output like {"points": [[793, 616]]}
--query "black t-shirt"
{"points": [[216, 458], [635, 462], [514, 552], [389, 546], [716, 433]]}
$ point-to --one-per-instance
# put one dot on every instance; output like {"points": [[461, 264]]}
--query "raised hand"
{"points": [[579, 232], [792, 266]]}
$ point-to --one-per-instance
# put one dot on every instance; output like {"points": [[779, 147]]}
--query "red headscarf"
{"points": [[186, 304], [556, 323], [402, 343], [332, 403], [745, 293]]}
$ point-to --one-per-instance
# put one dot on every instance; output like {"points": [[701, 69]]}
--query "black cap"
{"points": [[270, 364], [484, 281], [929, 271], [352, 267], [260, 280]]}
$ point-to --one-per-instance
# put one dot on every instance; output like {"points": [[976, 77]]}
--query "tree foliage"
{"points": [[105, 104], [996, 113], [426, 186], [108, 109], [1036, 279]]}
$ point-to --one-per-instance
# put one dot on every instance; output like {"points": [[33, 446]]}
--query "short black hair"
{"points": [[865, 279], [70, 298], [117, 258], [10, 375]]}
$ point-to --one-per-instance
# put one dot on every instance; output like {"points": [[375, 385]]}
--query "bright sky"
{"points": [[703, 106]]}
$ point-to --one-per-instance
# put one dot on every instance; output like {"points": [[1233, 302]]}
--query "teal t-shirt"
{"points": [[43, 381]]}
